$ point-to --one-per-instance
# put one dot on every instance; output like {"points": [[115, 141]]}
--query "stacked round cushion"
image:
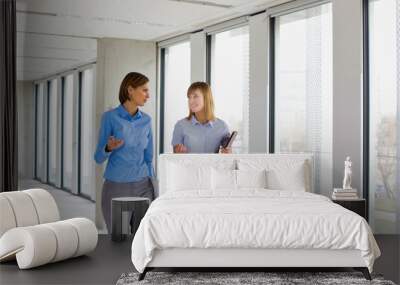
{"points": [[31, 230]]}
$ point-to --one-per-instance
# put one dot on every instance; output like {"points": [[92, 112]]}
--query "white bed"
{"points": [[248, 227]]}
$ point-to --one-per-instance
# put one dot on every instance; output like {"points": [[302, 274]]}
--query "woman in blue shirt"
{"points": [[126, 140], [201, 131]]}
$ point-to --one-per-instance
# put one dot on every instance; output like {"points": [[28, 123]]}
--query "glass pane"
{"points": [[177, 81], [384, 151], [303, 94], [230, 82], [88, 135], [68, 146], [40, 143], [53, 116]]}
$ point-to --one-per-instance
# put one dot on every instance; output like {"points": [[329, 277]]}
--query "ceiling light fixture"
{"points": [[29, 12], [97, 18], [204, 3]]}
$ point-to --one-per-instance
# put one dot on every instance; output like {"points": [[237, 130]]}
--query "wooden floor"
{"points": [[110, 260]]}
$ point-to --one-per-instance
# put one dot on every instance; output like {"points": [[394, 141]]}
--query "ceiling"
{"points": [[55, 35]]}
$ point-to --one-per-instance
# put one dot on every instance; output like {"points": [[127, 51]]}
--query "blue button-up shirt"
{"points": [[200, 138], [133, 160]]}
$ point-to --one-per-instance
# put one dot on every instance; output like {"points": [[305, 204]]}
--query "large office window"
{"points": [[68, 128], [303, 88], [88, 135], [40, 132], [53, 132], [384, 116], [230, 82], [176, 82], [64, 132]]}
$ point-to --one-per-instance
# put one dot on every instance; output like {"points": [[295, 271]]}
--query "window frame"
{"points": [[76, 91], [71, 73], [48, 91], [79, 127], [162, 46], [273, 13], [366, 105], [35, 91], [44, 126], [366, 115], [211, 32]]}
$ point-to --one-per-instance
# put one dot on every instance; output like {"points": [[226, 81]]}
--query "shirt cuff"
{"points": [[176, 141], [150, 169], [105, 153]]}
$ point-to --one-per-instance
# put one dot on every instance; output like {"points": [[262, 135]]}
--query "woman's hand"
{"points": [[180, 148], [225, 150], [113, 143]]}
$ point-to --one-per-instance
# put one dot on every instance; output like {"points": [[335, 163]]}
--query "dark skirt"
{"points": [[143, 188]]}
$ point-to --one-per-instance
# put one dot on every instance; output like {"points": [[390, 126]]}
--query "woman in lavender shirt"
{"points": [[201, 131]]}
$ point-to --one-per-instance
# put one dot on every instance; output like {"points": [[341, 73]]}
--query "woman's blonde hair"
{"points": [[208, 99]]}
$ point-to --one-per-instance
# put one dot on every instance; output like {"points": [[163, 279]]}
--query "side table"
{"points": [[138, 205], [358, 206]]}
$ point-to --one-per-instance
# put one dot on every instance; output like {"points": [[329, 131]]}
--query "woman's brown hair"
{"points": [[208, 99], [133, 79]]}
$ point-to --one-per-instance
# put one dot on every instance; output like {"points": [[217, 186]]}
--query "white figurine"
{"points": [[347, 174]]}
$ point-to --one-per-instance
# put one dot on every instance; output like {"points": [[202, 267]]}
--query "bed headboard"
{"points": [[215, 159]]}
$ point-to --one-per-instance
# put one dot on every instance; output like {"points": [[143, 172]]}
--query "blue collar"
{"points": [[125, 114], [194, 121]]}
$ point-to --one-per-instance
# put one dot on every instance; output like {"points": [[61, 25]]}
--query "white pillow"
{"points": [[291, 179], [251, 178], [183, 177], [223, 179], [282, 173]]}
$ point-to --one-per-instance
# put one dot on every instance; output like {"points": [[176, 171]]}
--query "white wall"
{"points": [[116, 58], [258, 85], [198, 56], [347, 89], [26, 129]]}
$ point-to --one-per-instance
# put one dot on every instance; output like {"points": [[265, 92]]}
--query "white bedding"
{"points": [[252, 218]]}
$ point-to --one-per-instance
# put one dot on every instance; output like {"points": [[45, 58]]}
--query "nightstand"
{"points": [[358, 206]]}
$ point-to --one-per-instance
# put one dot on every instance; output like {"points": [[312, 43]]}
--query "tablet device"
{"points": [[228, 143]]}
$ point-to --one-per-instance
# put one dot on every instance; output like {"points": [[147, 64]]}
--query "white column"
{"points": [[347, 89], [258, 85], [115, 58], [198, 56]]}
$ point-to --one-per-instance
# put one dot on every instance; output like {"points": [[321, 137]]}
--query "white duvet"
{"points": [[250, 219]]}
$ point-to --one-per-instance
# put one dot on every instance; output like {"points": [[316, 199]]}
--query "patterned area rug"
{"points": [[229, 278]]}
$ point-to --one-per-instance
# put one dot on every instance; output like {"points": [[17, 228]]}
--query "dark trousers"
{"points": [[112, 190]]}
